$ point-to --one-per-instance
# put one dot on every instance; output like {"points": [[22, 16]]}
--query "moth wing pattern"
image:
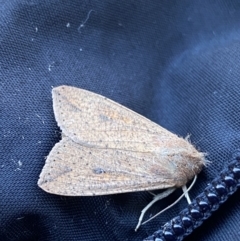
{"points": [[93, 120], [76, 170]]}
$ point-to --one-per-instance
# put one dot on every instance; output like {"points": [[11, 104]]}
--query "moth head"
{"points": [[191, 165]]}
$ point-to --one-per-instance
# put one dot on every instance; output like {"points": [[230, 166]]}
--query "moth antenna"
{"points": [[155, 199], [165, 209]]}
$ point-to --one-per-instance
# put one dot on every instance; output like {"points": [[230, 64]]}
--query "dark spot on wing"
{"points": [[98, 170]]}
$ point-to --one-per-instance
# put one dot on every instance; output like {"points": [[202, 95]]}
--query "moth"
{"points": [[107, 148]]}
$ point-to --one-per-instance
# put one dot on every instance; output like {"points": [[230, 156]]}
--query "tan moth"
{"points": [[107, 148]]}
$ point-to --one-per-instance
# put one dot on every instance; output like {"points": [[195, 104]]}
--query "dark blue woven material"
{"points": [[175, 62]]}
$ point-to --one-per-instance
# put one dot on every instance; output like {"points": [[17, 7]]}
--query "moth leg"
{"points": [[152, 193], [185, 191], [155, 199], [193, 182]]}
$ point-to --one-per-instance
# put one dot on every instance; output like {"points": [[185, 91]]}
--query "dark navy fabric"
{"points": [[175, 62]]}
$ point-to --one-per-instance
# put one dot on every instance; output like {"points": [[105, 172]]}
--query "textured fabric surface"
{"points": [[175, 62]]}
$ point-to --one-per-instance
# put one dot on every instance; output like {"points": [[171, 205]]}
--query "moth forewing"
{"points": [[75, 170]]}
